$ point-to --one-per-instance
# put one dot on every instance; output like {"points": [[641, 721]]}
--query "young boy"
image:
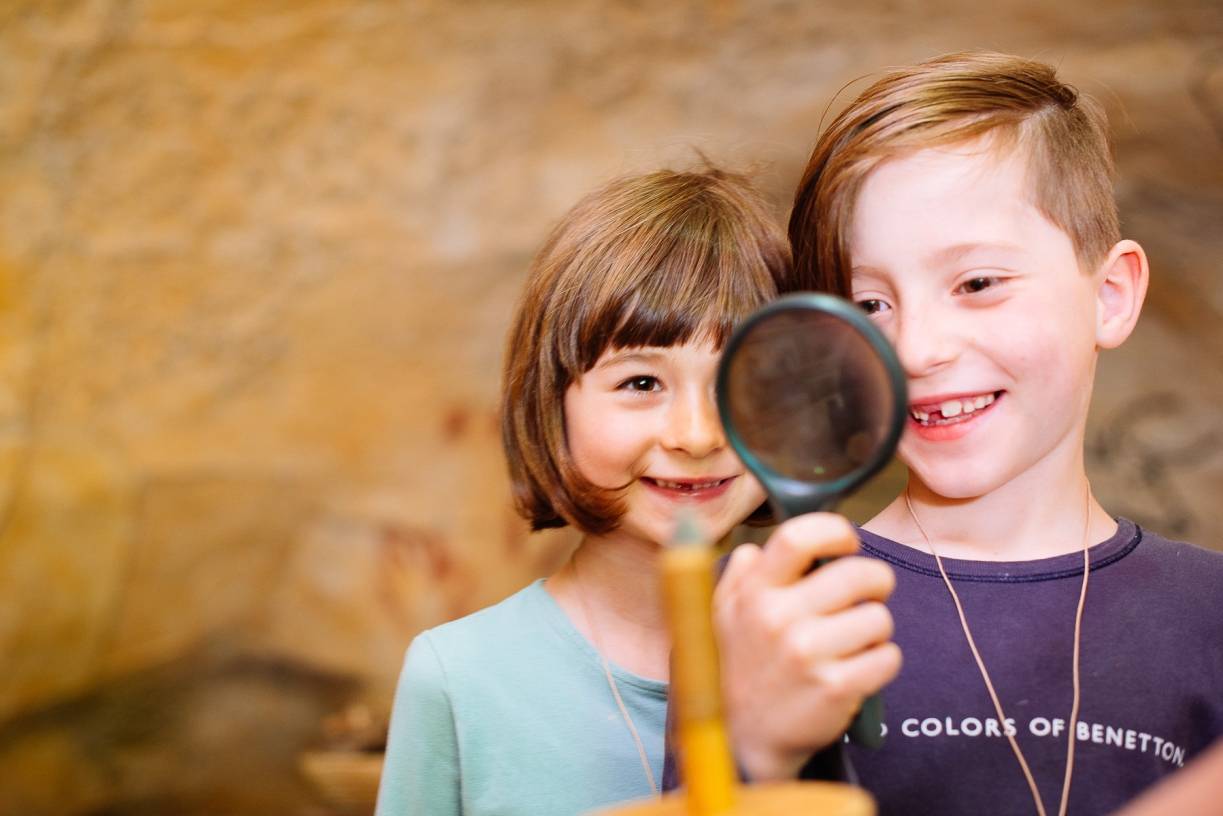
{"points": [[966, 203]]}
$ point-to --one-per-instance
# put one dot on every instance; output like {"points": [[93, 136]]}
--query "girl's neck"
{"points": [[610, 591], [1036, 515]]}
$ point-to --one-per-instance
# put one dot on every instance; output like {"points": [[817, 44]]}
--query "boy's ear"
{"points": [[1122, 288]]}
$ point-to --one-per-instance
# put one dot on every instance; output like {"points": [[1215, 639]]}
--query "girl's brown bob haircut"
{"points": [[948, 100], [648, 260]]}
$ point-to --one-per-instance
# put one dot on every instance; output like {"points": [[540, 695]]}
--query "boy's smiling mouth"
{"points": [[951, 410]]}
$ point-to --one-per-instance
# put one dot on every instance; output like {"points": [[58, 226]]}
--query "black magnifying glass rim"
{"points": [[815, 493]]}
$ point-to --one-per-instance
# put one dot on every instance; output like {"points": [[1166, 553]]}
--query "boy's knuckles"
{"points": [[875, 574], [772, 622], [886, 577], [788, 545], [817, 533], [795, 650], [738, 564], [861, 578], [831, 526], [878, 620], [837, 686], [844, 582], [891, 660], [880, 666]]}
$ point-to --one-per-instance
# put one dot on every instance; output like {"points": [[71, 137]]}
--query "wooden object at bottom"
{"points": [[781, 799]]}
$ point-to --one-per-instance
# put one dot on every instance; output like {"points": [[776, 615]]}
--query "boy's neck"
{"points": [[609, 591], [1031, 517]]}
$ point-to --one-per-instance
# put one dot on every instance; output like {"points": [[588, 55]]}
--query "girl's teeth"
{"points": [[686, 485], [951, 408]]}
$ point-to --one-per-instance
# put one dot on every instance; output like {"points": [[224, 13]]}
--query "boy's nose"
{"points": [[693, 426], [924, 343]]}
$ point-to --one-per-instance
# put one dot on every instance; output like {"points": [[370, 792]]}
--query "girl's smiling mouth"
{"points": [[688, 489]]}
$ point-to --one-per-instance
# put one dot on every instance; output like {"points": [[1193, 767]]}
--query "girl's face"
{"points": [[644, 419]]}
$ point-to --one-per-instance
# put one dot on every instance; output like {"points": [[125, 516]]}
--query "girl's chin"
{"points": [[712, 527]]}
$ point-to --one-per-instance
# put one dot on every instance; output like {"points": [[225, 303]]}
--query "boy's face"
{"points": [[992, 317]]}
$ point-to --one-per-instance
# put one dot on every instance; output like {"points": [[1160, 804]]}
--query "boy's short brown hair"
{"points": [[951, 99], [648, 260]]}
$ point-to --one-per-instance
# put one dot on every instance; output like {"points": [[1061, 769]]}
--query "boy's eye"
{"points": [[979, 284], [872, 306], [642, 382]]}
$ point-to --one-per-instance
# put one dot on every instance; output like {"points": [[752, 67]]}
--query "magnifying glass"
{"points": [[813, 400]]}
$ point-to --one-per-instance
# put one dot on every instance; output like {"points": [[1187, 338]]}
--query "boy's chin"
{"points": [[957, 485]]}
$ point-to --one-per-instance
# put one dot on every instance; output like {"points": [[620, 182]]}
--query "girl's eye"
{"points": [[872, 306], [642, 383], [979, 284]]}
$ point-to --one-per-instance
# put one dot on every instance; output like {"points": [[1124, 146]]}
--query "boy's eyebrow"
{"points": [[957, 252], [947, 255]]}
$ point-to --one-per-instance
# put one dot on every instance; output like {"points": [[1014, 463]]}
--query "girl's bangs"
{"points": [[673, 307]]}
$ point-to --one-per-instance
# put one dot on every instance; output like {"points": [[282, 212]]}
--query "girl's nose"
{"points": [[693, 426]]}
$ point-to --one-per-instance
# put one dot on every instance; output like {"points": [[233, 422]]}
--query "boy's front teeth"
{"points": [[953, 408]]}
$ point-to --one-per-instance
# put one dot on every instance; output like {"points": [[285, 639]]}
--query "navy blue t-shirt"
{"points": [[1151, 676]]}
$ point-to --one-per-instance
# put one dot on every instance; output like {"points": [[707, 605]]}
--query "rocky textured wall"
{"points": [[256, 264]]}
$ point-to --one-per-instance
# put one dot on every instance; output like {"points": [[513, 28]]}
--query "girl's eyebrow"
{"points": [[630, 356]]}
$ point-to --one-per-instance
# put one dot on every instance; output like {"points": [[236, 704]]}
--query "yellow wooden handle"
{"points": [[696, 693], [709, 774]]}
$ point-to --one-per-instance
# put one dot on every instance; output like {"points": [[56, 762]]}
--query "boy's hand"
{"points": [[800, 652]]}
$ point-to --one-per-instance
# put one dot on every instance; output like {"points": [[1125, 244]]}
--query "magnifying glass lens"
{"points": [[810, 396]]}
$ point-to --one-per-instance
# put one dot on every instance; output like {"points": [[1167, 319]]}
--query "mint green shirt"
{"points": [[508, 712]]}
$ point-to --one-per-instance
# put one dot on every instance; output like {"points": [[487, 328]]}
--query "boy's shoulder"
{"points": [[1181, 553], [1178, 572]]}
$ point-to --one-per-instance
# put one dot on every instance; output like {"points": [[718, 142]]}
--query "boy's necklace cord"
{"points": [[611, 683], [1078, 628]]}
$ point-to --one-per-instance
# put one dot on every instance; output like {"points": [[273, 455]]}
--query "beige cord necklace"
{"points": [[611, 682], [1078, 623]]}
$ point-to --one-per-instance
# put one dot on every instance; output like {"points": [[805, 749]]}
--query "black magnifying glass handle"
{"points": [[813, 400]]}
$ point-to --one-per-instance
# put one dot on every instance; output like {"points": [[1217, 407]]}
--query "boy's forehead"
{"points": [[948, 200], [965, 171]]}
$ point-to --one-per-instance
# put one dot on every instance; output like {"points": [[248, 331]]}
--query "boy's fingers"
{"points": [[795, 546], [845, 634], [842, 583], [737, 567], [863, 674]]}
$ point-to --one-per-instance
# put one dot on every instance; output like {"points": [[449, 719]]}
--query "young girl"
{"points": [[554, 700]]}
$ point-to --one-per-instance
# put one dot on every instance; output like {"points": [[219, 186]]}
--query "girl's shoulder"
{"points": [[488, 633]]}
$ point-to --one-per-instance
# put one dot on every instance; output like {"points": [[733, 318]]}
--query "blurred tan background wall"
{"points": [[256, 263]]}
